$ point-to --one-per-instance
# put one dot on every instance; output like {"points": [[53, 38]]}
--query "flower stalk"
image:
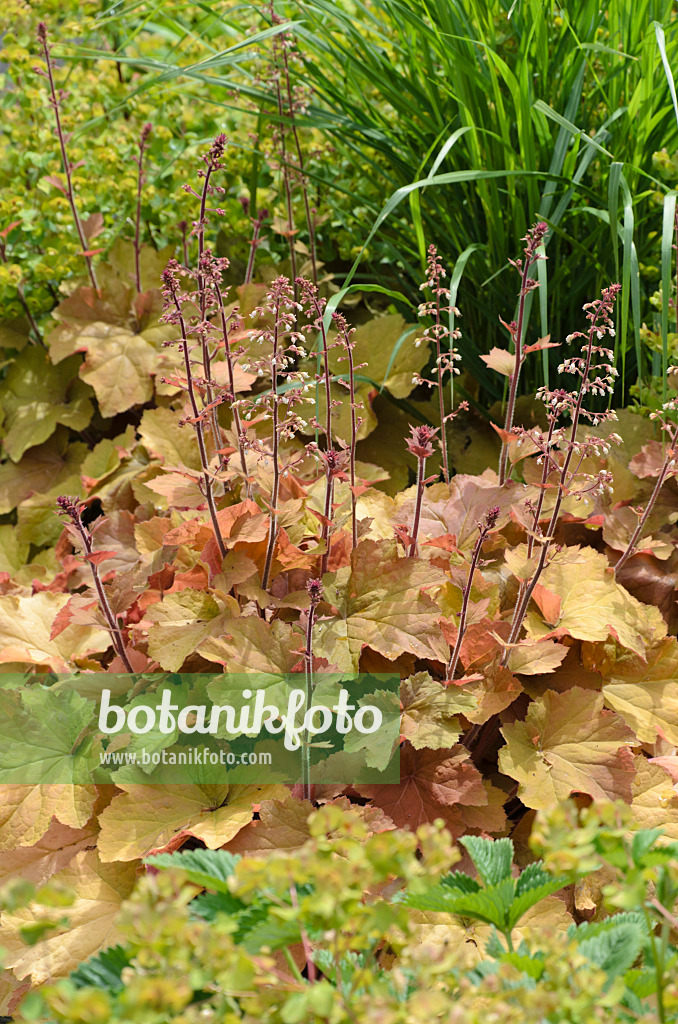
{"points": [[314, 589], [145, 132], [345, 336], [420, 445], [533, 239], [484, 529], [55, 102], [174, 315], [72, 508], [595, 379], [445, 361]]}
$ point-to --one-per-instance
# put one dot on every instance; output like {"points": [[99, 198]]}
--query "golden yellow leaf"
{"points": [[568, 744], [593, 606], [26, 812], [646, 694], [147, 818], [655, 800], [25, 627], [99, 891]]}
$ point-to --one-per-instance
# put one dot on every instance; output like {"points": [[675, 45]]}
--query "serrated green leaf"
{"points": [[209, 868], [273, 933], [103, 971], [642, 842], [530, 898], [459, 880], [615, 949], [532, 966], [209, 905], [492, 857]]}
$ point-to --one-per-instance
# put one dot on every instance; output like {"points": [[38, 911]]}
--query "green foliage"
{"points": [[349, 949], [515, 112], [502, 901], [228, 546]]}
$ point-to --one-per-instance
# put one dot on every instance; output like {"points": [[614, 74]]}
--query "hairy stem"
{"points": [[273, 522], [325, 535], [237, 422], [466, 596], [441, 397], [199, 429], [417, 508], [354, 441], [513, 380], [22, 298], [308, 671], [54, 102], [254, 244], [665, 470], [204, 341], [114, 629]]}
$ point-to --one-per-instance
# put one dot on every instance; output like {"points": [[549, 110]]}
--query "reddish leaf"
{"points": [[433, 784], [97, 557]]}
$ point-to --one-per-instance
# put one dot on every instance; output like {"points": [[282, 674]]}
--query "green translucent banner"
{"points": [[171, 729]]}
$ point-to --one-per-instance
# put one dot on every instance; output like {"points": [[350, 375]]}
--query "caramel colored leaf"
{"points": [[501, 360], [26, 625], [118, 365], [655, 800], [181, 622], [458, 508], [26, 812], [535, 659], [493, 693], [568, 744], [283, 825], [50, 467], [49, 854], [164, 439], [384, 607], [649, 461], [252, 645], [433, 784]]}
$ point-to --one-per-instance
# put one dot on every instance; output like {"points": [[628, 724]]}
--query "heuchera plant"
{"points": [[251, 522]]}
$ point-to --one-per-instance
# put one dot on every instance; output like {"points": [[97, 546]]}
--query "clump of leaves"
{"points": [[245, 519], [357, 921]]}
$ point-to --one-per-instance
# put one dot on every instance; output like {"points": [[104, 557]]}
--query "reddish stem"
{"points": [[273, 522], [665, 470], [417, 509], [466, 595], [54, 101], [237, 423], [198, 426], [137, 228]]}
